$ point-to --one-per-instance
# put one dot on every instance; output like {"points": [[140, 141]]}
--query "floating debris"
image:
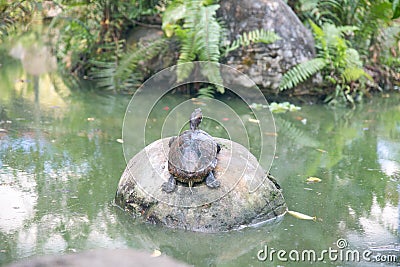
{"points": [[197, 101], [301, 216], [156, 253], [253, 120], [270, 133], [282, 107], [313, 180], [257, 106], [119, 140]]}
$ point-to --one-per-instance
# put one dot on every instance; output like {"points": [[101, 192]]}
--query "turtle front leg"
{"points": [[218, 148], [169, 186], [211, 181], [171, 140]]}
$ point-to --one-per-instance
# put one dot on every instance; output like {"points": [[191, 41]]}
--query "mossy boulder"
{"points": [[246, 196]]}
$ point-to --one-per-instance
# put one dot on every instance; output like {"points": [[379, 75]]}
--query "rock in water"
{"points": [[238, 202]]}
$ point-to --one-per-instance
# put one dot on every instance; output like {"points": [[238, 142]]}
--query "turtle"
{"points": [[192, 156]]}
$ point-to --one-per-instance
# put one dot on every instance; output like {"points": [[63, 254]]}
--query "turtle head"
{"points": [[195, 119]]}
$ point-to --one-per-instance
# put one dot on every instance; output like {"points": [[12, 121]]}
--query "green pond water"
{"points": [[60, 163]]}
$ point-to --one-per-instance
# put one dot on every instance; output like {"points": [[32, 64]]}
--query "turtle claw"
{"points": [[211, 182], [169, 186]]}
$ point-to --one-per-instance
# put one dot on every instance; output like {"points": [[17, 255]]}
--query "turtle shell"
{"points": [[192, 155]]}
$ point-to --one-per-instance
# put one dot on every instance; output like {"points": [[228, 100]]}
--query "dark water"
{"points": [[60, 163]]}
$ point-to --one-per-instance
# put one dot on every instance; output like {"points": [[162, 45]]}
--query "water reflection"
{"points": [[18, 197], [388, 156]]}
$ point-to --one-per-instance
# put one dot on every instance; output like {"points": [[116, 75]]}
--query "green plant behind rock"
{"points": [[195, 25], [91, 40], [339, 64], [14, 14], [200, 35], [370, 17]]}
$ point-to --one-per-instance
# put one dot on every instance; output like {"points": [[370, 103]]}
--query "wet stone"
{"points": [[295, 46], [246, 196]]}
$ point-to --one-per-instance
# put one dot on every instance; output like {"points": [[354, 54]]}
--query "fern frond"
{"points": [[206, 92], [123, 73], [174, 12], [104, 74], [348, 29], [353, 58], [188, 39], [200, 37], [354, 74], [320, 37], [212, 72], [301, 72], [208, 34], [256, 36]]}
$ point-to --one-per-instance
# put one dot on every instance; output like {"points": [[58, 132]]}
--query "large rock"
{"points": [[246, 195], [265, 64]]}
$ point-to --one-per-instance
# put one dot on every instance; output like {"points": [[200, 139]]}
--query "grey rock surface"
{"points": [[266, 63], [246, 195]]}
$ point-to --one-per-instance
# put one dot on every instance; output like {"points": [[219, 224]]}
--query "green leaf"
{"points": [[172, 15], [255, 36], [396, 9], [301, 72]]}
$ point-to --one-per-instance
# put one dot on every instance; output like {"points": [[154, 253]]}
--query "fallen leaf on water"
{"points": [[270, 134], [253, 120], [90, 119], [166, 108], [301, 216], [156, 253], [313, 180], [119, 140], [299, 118], [321, 150], [225, 119]]}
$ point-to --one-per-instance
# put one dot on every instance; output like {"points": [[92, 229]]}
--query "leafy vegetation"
{"points": [[247, 38], [13, 13], [344, 51], [91, 41], [339, 63], [200, 35], [195, 25]]}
